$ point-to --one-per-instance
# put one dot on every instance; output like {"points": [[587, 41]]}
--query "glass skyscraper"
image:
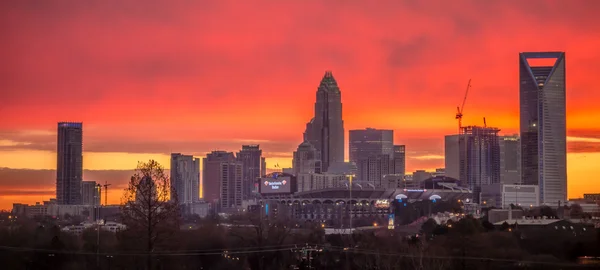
{"points": [[543, 125]]}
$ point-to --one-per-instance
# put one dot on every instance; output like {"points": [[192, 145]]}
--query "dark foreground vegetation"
{"points": [[467, 244]]}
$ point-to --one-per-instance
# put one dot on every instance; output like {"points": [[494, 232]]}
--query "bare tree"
{"points": [[148, 211]]}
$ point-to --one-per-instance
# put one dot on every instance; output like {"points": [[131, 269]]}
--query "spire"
{"points": [[328, 83]]}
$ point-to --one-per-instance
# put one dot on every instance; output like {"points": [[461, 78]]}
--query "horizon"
{"points": [[172, 78]]}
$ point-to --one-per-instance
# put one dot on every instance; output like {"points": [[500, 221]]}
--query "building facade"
{"points": [[90, 193], [399, 160], [479, 152], [185, 178], [232, 192], [503, 195], [212, 174], [510, 160], [372, 169], [317, 181], [372, 150], [251, 158], [69, 163], [307, 159], [543, 125], [451, 156], [326, 130]]}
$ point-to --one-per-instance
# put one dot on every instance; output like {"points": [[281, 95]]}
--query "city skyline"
{"points": [[140, 102]]}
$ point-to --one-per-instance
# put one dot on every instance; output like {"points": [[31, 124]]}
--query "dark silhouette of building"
{"points": [[326, 130], [399, 160], [543, 125], [69, 163], [251, 158], [479, 152]]}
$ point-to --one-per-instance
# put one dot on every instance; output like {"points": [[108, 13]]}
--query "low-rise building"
{"points": [[503, 195]]}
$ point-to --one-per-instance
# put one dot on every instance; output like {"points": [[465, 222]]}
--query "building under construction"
{"points": [[479, 155]]}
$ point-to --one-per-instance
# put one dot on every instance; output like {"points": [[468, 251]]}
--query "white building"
{"points": [[185, 178], [451, 156]]}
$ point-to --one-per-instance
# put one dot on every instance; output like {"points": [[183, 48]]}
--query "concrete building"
{"points": [[503, 195], [307, 159], [185, 179], [251, 158], [69, 163], [420, 175], [543, 125], [451, 156], [372, 169], [211, 174], [90, 193], [325, 131], [399, 160], [595, 197], [317, 181], [231, 186], [479, 158], [510, 160]]}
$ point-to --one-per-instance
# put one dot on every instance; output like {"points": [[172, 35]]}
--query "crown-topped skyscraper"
{"points": [[325, 131]]}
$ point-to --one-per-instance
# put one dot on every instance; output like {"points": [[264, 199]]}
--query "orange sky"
{"points": [[156, 77]]}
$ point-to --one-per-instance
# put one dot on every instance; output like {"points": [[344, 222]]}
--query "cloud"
{"points": [[428, 157]]}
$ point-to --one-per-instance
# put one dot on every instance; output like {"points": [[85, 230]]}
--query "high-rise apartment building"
{"points": [[399, 160], [185, 179], [307, 159], [479, 152], [251, 158], [325, 131], [372, 150], [543, 125], [510, 160], [451, 156], [211, 173], [69, 163], [90, 193]]}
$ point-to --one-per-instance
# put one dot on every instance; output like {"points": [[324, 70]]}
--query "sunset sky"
{"points": [[148, 78]]}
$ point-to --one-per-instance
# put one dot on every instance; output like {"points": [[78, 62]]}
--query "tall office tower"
{"points": [[543, 125], [251, 158], [263, 168], [368, 149], [90, 193], [325, 131], [185, 179], [510, 160], [212, 173], [451, 156], [232, 191], [370, 142], [399, 160], [373, 168], [306, 159], [479, 152], [69, 163]]}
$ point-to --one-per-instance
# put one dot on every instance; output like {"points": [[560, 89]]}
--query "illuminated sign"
{"points": [[275, 185], [382, 204], [391, 221], [415, 190]]}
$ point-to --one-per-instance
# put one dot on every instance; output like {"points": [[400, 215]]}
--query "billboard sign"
{"points": [[276, 185]]}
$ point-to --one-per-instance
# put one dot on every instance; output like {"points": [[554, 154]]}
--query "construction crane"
{"points": [[106, 184], [459, 110]]}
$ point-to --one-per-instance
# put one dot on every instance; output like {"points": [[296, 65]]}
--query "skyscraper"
{"points": [[399, 160], [211, 173], [69, 163], [307, 159], [90, 193], [370, 142], [372, 150], [185, 178], [451, 156], [510, 160], [543, 125], [479, 158], [231, 186], [325, 131], [251, 158]]}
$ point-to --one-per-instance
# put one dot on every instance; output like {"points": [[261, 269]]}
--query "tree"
{"points": [[576, 211], [148, 211]]}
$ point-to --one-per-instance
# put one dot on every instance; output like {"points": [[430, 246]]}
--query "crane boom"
{"points": [[106, 184], [459, 110]]}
